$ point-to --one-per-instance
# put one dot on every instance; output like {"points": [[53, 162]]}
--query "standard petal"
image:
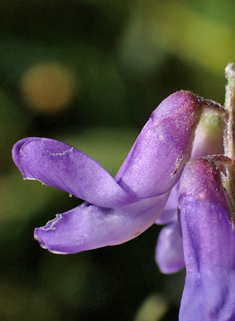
{"points": [[88, 227], [60, 165], [169, 250], [208, 241], [163, 146]]}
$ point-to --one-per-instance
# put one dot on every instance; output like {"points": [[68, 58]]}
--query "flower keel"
{"points": [[88, 227]]}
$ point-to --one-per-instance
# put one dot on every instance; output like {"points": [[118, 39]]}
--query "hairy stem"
{"points": [[229, 107]]}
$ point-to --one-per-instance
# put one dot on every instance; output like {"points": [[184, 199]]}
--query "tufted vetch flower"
{"points": [[180, 172], [115, 209]]}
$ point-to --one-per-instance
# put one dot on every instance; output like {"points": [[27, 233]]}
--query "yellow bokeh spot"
{"points": [[48, 87]]}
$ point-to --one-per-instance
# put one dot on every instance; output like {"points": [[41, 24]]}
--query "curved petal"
{"points": [[163, 146], [208, 241], [88, 227], [169, 250], [60, 165]]}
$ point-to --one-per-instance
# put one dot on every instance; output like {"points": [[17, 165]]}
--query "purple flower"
{"points": [[208, 141], [157, 178], [115, 209], [209, 243]]}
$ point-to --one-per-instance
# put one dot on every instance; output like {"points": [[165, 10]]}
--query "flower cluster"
{"points": [[171, 176]]}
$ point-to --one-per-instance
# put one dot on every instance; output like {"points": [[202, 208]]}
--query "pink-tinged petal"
{"points": [[169, 250], [209, 134], [208, 140], [88, 227], [163, 146], [208, 242], [60, 165]]}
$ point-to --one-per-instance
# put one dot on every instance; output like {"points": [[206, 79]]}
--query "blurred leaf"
{"points": [[193, 36], [139, 54], [152, 309]]}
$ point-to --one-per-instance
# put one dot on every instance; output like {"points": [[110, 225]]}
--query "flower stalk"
{"points": [[229, 108], [228, 139]]}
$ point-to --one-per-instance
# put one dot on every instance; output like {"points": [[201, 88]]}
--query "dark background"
{"points": [[89, 72]]}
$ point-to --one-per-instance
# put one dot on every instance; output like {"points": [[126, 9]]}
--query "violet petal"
{"points": [[208, 140], [88, 227], [169, 251], [208, 241], [163, 146], [60, 165]]}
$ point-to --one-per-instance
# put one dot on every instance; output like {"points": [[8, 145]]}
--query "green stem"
{"points": [[229, 149]]}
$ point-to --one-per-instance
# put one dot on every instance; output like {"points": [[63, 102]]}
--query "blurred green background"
{"points": [[89, 72]]}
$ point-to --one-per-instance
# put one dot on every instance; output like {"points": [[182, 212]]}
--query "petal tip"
{"points": [[38, 237]]}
